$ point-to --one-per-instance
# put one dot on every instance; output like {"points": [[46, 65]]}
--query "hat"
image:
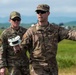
{"points": [[14, 41], [43, 7], [15, 14]]}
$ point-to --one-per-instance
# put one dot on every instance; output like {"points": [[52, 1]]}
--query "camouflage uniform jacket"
{"points": [[42, 42], [7, 54]]}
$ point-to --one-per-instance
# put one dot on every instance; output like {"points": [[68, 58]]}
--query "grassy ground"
{"points": [[68, 71], [66, 57]]}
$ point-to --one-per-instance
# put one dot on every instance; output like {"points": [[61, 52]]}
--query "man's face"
{"points": [[15, 22], [42, 15]]}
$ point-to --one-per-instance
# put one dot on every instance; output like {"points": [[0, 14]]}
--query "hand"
{"points": [[2, 71], [16, 48]]}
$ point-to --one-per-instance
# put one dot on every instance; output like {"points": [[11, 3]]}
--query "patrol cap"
{"points": [[43, 7], [15, 14], [14, 41]]}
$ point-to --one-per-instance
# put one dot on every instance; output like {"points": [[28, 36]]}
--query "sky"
{"points": [[27, 7]]}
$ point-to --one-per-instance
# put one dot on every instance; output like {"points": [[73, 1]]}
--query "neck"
{"points": [[16, 28], [43, 23]]}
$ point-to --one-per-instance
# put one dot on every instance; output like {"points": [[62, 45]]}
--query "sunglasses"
{"points": [[16, 19], [39, 11]]}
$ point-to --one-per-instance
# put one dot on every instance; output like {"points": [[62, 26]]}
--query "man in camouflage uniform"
{"points": [[16, 62], [42, 41]]}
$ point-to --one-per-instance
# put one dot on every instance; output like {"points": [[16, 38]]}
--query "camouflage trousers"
{"points": [[41, 70], [18, 71]]}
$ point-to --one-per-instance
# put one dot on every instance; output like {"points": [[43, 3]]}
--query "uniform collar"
{"points": [[41, 28]]}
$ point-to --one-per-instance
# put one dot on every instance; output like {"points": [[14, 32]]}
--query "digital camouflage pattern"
{"points": [[8, 58], [43, 7], [15, 14], [42, 43]]}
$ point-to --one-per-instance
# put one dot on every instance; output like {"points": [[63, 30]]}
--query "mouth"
{"points": [[40, 17]]}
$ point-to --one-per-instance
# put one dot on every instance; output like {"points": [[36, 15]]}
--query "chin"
{"points": [[40, 20], [16, 26]]}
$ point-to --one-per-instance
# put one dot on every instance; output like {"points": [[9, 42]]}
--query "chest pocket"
{"points": [[45, 37]]}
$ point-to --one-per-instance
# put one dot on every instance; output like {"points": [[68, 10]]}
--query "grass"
{"points": [[1, 31], [66, 57], [68, 71]]}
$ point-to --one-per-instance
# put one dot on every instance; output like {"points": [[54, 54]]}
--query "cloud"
{"points": [[27, 7], [7, 2], [65, 9]]}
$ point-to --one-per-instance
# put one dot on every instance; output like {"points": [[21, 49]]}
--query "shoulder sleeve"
{"points": [[67, 34], [27, 39], [3, 51], [63, 33]]}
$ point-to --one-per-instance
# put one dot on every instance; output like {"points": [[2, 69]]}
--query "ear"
{"points": [[48, 13], [10, 20]]}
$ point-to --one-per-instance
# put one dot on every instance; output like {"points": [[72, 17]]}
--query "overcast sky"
{"points": [[27, 7]]}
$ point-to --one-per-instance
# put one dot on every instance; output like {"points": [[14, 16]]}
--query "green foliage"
{"points": [[1, 31], [66, 56], [71, 23]]}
